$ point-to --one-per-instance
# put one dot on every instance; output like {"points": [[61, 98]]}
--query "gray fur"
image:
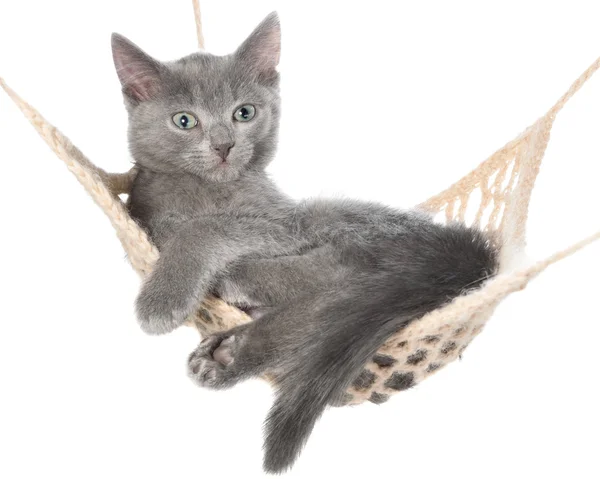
{"points": [[327, 281]]}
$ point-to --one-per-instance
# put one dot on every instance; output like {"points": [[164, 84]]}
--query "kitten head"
{"points": [[212, 116]]}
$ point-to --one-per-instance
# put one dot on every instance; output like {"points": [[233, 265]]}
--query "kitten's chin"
{"points": [[222, 173]]}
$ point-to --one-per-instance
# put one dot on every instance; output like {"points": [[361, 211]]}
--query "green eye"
{"points": [[185, 120], [244, 113]]}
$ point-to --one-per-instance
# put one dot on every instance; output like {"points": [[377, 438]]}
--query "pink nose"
{"points": [[223, 149]]}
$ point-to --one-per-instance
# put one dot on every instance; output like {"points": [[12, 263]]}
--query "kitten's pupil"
{"points": [[244, 113], [184, 120]]}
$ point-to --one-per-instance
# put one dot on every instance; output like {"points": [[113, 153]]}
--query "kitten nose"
{"points": [[223, 149]]}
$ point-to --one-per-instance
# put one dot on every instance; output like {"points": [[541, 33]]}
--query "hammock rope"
{"points": [[498, 192], [198, 21]]}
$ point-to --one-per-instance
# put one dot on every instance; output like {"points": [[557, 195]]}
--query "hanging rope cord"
{"points": [[198, 19]]}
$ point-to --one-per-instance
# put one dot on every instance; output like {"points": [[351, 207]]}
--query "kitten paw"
{"points": [[159, 312], [211, 365]]}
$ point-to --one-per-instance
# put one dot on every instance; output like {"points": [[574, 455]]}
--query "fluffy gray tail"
{"points": [[352, 327], [322, 380], [288, 426]]}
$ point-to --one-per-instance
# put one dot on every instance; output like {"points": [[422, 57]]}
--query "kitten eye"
{"points": [[185, 120], [244, 113]]}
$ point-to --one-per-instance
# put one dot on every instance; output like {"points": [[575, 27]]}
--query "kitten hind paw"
{"points": [[211, 365]]}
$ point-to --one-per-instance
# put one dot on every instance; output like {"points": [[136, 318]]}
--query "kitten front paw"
{"points": [[159, 311], [212, 364]]}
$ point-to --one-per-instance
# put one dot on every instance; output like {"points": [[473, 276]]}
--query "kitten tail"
{"points": [[289, 425], [304, 393]]}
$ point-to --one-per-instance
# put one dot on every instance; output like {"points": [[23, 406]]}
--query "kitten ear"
{"points": [[138, 72], [260, 52]]}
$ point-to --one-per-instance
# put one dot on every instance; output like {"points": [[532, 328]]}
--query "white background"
{"points": [[389, 101]]}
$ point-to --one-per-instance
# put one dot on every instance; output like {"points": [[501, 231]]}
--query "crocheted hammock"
{"points": [[498, 191]]}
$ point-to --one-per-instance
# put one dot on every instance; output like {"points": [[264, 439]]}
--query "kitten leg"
{"points": [[199, 251], [279, 280], [224, 359], [262, 346]]}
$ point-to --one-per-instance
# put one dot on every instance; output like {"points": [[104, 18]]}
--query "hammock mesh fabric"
{"points": [[497, 191]]}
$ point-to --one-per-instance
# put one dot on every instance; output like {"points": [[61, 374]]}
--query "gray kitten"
{"points": [[326, 281]]}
